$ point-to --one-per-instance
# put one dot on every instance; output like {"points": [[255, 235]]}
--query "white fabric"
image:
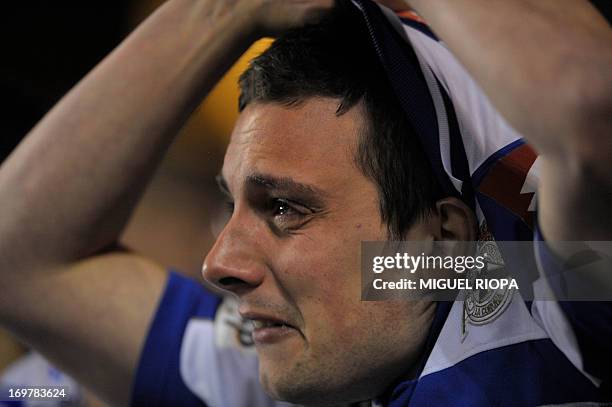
{"points": [[514, 325]]}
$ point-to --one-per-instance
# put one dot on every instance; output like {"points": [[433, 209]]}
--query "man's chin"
{"points": [[306, 390], [284, 387]]}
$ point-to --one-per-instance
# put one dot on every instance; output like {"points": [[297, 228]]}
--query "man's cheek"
{"points": [[318, 271], [334, 309]]}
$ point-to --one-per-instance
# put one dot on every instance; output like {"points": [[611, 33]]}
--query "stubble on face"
{"points": [[382, 350]]}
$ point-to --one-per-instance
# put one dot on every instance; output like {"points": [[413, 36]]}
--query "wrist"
{"points": [[234, 20], [243, 19]]}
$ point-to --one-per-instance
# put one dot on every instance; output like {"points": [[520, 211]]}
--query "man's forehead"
{"points": [[308, 141], [313, 122]]}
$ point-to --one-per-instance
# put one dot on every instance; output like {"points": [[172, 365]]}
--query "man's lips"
{"points": [[261, 323], [269, 329], [263, 320]]}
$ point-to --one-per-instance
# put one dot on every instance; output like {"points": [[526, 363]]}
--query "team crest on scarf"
{"points": [[481, 306]]}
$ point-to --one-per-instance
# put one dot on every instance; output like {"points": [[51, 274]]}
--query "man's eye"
{"points": [[281, 207], [288, 216]]}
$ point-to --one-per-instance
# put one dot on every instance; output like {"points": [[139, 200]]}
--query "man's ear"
{"points": [[455, 220]]}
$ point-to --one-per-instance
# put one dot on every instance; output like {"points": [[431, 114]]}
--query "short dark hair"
{"points": [[334, 58]]}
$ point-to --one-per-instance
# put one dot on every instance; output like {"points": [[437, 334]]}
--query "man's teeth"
{"points": [[258, 324]]}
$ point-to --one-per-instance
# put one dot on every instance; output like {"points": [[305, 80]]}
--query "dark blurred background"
{"points": [[47, 47]]}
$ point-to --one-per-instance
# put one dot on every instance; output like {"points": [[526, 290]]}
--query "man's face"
{"points": [[291, 253]]}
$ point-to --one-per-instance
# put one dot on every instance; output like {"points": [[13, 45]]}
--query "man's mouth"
{"points": [[268, 330], [260, 324]]}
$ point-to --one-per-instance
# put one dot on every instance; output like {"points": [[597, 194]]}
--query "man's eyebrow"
{"points": [[308, 193]]}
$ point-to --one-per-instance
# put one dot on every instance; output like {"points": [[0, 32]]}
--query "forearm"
{"points": [[69, 187], [545, 64]]}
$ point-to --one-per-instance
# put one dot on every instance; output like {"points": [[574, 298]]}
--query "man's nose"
{"points": [[235, 262]]}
